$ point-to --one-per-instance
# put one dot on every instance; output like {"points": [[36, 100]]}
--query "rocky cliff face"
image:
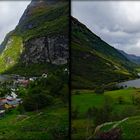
{"points": [[46, 49]]}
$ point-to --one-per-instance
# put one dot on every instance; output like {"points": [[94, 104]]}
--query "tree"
{"points": [[64, 93], [74, 113], [36, 99]]}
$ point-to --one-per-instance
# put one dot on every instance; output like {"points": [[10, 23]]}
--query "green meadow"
{"points": [[41, 125], [121, 105], [87, 98]]}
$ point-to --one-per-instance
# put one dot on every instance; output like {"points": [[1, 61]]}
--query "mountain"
{"points": [[39, 41], [133, 58], [94, 62]]}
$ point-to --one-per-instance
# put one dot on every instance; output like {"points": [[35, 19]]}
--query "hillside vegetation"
{"points": [[94, 62], [39, 20]]}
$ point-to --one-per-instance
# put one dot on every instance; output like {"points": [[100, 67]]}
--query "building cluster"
{"points": [[9, 101]]}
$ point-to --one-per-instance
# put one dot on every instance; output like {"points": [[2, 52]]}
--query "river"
{"points": [[131, 83]]}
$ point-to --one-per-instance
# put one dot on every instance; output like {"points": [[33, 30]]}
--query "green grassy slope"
{"points": [[11, 54], [88, 98], [94, 62], [44, 20], [39, 125]]}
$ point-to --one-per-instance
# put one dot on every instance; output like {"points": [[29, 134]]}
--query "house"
{"points": [[13, 95], [7, 106], [2, 103], [44, 75], [9, 98], [23, 82], [2, 113], [13, 103], [65, 70]]}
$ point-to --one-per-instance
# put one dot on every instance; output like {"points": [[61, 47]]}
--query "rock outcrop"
{"points": [[46, 49], [41, 36]]}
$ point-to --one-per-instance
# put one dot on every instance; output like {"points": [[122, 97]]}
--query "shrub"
{"points": [[59, 132], [21, 109], [136, 99], [36, 99], [113, 86], [113, 134], [64, 93], [74, 113], [120, 100], [103, 114], [77, 92], [99, 90], [91, 112]]}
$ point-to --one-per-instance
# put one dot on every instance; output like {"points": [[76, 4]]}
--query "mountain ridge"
{"points": [[98, 62], [132, 57], [40, 38]]}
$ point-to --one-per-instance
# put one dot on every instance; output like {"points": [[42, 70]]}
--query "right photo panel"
{"points": [[105, 70]]}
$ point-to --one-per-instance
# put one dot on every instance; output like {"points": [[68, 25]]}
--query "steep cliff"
{"points": [[40, 38]]}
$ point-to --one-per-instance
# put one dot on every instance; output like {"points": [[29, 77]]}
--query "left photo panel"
{"points": [[34, 70]]}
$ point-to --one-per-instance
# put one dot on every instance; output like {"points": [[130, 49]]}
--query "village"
{"points": [[12, 100]]}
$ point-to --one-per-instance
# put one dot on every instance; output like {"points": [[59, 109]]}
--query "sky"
{"points": [[116, 22], [10, 14]]}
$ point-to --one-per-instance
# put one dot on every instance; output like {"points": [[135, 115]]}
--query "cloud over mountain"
{"points": [[118, 23], [11, 12]]}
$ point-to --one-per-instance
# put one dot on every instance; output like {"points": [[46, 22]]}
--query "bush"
{"points": [[60, 133], [120, 100], [74, 113], [99, 90], [113, 134], [112, 86], [64, 93], [21, 109], [77, 92], [103, 114], [136, 99], [36, 99], [91, 112]]}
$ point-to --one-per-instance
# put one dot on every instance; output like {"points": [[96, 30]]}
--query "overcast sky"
{"points": [[118, 23], [10, 13]]}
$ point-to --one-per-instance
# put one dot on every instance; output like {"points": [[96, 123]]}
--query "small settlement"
{"points": [[12, 100]]}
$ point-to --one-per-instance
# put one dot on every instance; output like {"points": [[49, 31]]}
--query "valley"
{"points": [[105, 88]]}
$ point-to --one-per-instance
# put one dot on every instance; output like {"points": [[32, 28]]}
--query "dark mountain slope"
{"points": [[39, 41], [133, 58], [94, 62]]}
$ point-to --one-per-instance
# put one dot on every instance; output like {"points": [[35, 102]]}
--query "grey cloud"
{"points": [[11, 11], [118, 23]]}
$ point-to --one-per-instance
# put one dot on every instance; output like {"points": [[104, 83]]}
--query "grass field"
{"points": [[40, 125], [86, 99]]}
